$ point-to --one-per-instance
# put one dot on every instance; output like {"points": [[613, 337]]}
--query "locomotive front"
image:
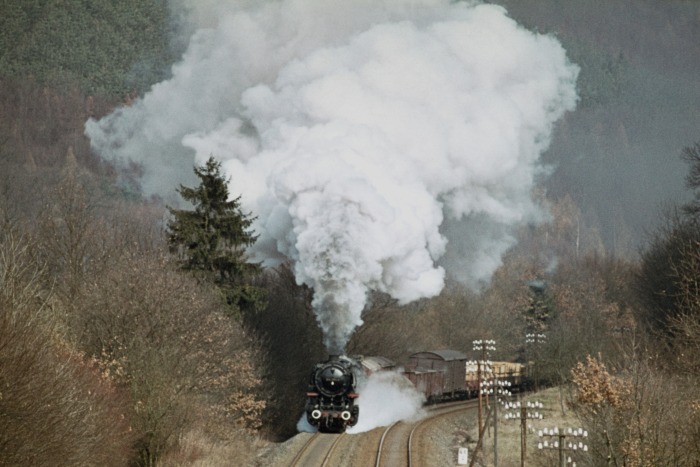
{"points": [[330, 403]]}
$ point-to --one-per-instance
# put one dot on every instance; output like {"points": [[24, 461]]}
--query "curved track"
{"points": [[318, 450], [398, 445]]}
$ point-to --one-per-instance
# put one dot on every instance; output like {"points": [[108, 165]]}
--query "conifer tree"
{"points": [[691, 155], [538, 314], [211, 240]]}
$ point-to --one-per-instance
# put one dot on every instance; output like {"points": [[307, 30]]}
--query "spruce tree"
{"points": [[211, 240], [538, 314], [691, 155]]}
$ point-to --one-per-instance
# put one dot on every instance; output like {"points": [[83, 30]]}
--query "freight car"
{"points": [[438, 374], [371, 365], [512, 372], [330, 398], [444, 375]]}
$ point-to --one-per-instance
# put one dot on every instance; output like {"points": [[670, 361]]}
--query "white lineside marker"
{"points": [[463, 456]]}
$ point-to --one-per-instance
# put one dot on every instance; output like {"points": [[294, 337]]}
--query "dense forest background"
{"points": [[112, 352]]}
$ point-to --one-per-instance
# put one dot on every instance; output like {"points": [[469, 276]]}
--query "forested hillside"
{"points": [[103, 48], [617, 156], [123, 344]]}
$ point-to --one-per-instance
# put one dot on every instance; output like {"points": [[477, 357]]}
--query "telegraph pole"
{"points": [[524, 412], [495, 428], [498, 387], [483, 347], [562, 445], [535, 341]]}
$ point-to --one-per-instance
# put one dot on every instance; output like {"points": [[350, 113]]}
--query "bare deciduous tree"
{"points": [[56, 408], [630, 417], [166, 339]]}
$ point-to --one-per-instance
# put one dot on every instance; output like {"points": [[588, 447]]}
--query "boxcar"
{"points": [[439, 374], [428, 382], [371, 365]]}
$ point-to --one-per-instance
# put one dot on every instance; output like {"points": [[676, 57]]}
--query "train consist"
{"points": [[440, 375], [443, 375]]}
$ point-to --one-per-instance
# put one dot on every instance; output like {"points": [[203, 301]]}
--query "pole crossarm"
{"points": [[566, 441], [523, 412], [483, 347]]}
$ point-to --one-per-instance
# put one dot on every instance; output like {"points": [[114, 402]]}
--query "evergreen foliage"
{"points": [[211, 240], [102, 47], [668, 264], [538, 314], [691, 155]]}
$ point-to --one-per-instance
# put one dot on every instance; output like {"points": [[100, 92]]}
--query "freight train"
{"points": [[440, 375]]}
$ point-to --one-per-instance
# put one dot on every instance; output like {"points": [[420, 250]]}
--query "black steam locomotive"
{"points": [[330, 403]]}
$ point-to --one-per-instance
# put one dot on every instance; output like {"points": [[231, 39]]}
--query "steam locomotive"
{"points": [[330, 402], [440, 375]]}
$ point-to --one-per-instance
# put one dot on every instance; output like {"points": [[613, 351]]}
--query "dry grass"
{"points": [[197, 448]]}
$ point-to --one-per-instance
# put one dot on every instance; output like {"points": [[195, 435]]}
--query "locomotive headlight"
{"points": [[316, 414], [345, 415]]}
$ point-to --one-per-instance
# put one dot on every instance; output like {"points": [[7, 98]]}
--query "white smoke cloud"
{"points": [[387, 397], [370, 137], [303, 425]]}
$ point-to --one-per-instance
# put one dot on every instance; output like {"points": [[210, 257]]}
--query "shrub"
{"points": [[168, 341], [55, 406], [630, 417]]}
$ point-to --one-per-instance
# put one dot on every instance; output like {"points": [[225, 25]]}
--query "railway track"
{"points": [[397, 447], [318, 450]]}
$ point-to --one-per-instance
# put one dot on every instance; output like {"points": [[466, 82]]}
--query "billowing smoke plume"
{"points": [[387, 397], [371, 137]]}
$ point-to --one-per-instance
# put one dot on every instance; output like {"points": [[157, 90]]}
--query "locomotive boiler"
{"points": [[330, 398]]}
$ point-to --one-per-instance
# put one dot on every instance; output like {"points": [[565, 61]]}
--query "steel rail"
{"points": [[303, 449], [381, 443], [331, 450], [440, 411]]}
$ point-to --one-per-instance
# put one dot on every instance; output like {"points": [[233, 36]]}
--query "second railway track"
{"points": [[398, 445]]}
